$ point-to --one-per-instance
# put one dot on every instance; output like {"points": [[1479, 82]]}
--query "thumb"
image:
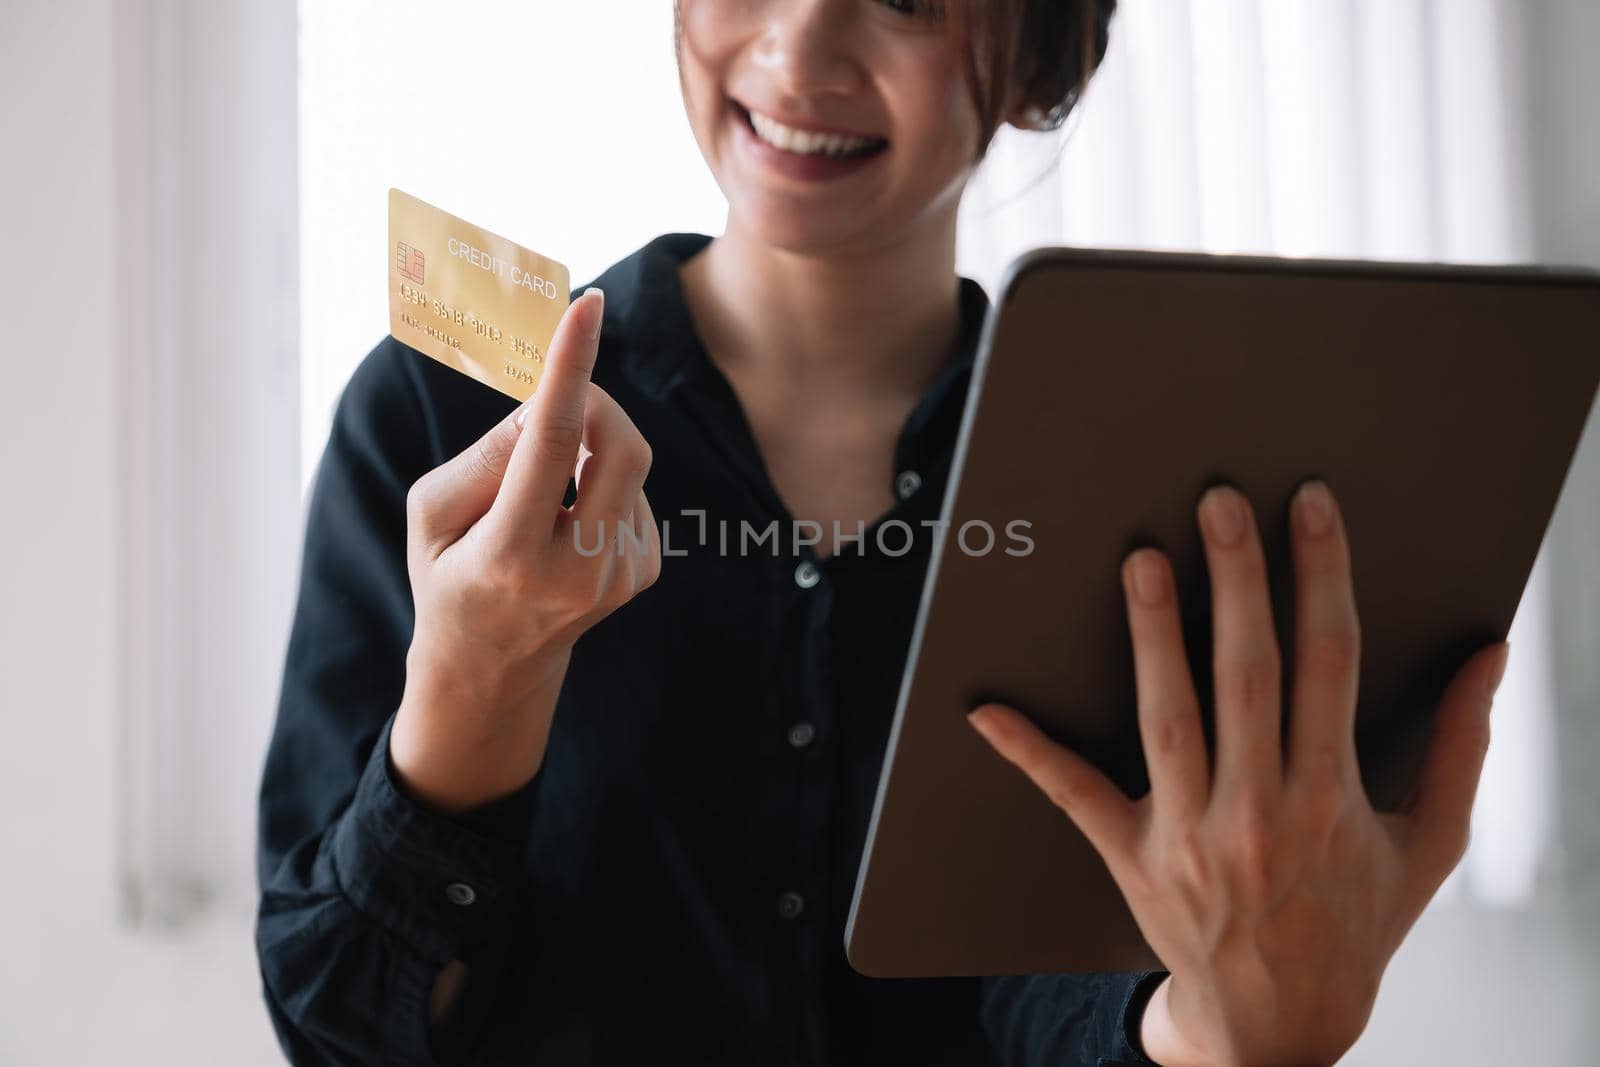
{"points": [[1441, 807], [1095, 804], [444, 503]]}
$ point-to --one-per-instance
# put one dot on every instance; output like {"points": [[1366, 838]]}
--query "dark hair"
{"points": [[1036, 54]]}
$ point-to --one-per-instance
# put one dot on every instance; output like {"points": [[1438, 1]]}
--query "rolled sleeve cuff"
{"points": [[1131, 1051], [443, 884]]}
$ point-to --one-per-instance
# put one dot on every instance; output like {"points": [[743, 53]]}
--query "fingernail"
{"points": [[981, 719], [1222, 514], [596, 316], [522, 413], [1149, 578], [1314, 504], [1497, 671]]}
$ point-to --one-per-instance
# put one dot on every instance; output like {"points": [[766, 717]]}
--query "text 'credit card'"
{"points": [[470, 299]]}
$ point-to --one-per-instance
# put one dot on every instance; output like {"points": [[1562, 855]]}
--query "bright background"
{"points": [[197, 194]]}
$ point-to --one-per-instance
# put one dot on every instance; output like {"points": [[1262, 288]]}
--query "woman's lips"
{"points": [[814, 165]]}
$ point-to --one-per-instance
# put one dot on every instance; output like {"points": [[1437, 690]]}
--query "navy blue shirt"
{"points": [[672, 885]]}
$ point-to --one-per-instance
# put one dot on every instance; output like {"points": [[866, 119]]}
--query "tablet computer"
{"points": [[1443, 405]]}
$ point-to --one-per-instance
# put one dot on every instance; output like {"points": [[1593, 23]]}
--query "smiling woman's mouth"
{"points": [[808, 143]]}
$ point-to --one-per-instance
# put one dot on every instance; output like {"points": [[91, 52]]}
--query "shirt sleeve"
{"points": [[1064, 1020], [366, 894]]}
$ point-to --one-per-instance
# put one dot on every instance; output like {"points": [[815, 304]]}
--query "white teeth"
{"points": [[804, 143]]}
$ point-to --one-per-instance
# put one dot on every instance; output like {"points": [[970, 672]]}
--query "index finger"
{"points": [[546, 452]]}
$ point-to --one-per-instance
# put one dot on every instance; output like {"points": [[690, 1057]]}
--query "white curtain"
{"points": [[1371, 129], [1367, 128]]}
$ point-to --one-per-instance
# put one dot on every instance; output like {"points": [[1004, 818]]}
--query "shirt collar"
{"points": [[645, 305]]}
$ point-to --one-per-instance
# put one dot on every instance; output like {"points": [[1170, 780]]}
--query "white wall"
{"points": [[58, 434], [78, 985]]}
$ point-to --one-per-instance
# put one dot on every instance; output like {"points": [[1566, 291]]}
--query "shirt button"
{"points": [[460, 894], [806, 575], [802, 734], [907, 483], [790, 905]]}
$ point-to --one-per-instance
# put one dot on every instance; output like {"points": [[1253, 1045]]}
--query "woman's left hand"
{"points": [[1269, 888]]}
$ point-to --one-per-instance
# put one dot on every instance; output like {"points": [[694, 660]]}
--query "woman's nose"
{"points": [[807, 48]]}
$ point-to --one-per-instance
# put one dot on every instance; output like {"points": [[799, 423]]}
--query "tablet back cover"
{"points": [[1442, 404]]}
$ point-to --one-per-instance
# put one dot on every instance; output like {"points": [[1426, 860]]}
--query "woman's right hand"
{"points": [[501, 588]]}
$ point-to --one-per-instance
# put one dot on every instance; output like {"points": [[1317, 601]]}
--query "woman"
{"points": [[531, 801]]}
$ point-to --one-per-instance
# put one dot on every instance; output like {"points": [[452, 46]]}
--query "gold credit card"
{"points": [[470, 299]]}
